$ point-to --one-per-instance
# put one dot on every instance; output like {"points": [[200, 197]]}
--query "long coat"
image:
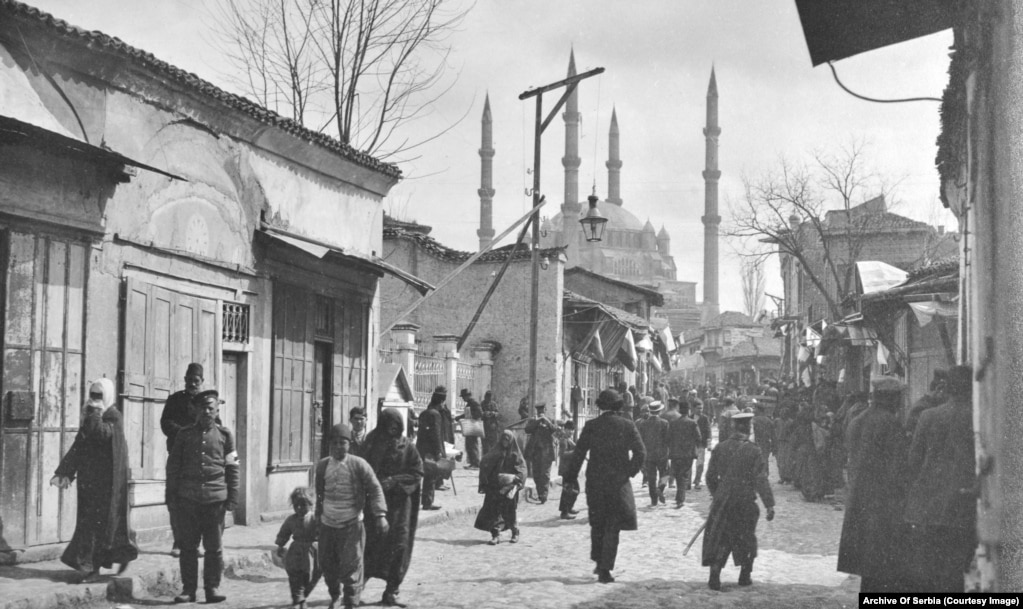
{"points": [[430, 439], [736, 474], [398, 466], [683, 438], [98, 458], [540, 450], [872, 530], [499, 510], [616, 454], [654, 432]]}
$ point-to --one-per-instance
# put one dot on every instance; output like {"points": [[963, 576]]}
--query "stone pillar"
{"points": [[484, 354], [447, 346], [404, 335]]}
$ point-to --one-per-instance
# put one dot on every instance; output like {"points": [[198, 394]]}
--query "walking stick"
{"points": [[695, 537]]}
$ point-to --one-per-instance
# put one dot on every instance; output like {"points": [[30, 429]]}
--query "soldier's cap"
{"points": [[886, 384], [209, 394], [341, 430], [742, 416], [540, 406]]}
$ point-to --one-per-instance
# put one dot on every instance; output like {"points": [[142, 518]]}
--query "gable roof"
{"points": [[731, 319], [97, 42], [435, 248]]}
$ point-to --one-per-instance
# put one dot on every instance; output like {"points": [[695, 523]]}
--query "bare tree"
{"points": [[356, 69], [789, 209], [753, 285]]}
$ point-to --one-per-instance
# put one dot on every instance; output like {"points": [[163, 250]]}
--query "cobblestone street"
{"points": [[549, 568]]}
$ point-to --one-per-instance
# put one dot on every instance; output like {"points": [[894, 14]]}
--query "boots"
{"points": [[745, 574], [715, 578]]}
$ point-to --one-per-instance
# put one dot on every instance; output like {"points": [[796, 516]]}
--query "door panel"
{"points": [[43, 333], [164, 331]]}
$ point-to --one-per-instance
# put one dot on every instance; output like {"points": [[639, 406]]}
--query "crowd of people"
{"points": [[907, 473]]}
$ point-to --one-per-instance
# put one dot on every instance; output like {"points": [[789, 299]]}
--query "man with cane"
{"points": [[737, 473]]}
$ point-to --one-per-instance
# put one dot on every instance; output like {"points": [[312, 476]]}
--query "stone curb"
{"points": [[165, 581]]}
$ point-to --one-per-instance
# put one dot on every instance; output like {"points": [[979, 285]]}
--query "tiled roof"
{"points": [[943, 266], [432, 246], [754, 347], [577, 300], [730, 319], [98, 41]]}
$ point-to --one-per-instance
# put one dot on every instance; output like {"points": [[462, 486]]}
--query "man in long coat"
{"points": [[703, 424], [179, 413], [540, 451], [873, 534], [736, 474], [763, 433], [654, 432], [684, 441], [616, 454], [942, 504], [430, 441]]}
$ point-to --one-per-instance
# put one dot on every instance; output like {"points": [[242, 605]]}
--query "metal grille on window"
{"points": [[236, 323]]}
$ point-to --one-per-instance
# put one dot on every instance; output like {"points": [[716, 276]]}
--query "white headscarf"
{"points": [[106, 387]]}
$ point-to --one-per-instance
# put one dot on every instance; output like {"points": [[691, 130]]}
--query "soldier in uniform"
{"points": [[202, 484], [736, 474], [539, 451]]}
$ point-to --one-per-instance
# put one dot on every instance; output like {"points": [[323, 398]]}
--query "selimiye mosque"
{"points": [[632, 251]]}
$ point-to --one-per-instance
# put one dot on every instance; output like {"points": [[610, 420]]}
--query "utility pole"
{"points": [[541, 124]]}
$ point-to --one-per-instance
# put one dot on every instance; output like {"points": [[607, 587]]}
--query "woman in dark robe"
{"points": [[399, 468], [783, 445], [502, 474], [98, 459]]}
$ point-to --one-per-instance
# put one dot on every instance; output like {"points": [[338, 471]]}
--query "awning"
{"points": [[13, 131], [323, 251], [877, 276], [836, 29]]}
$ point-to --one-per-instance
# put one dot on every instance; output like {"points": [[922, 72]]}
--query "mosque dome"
{"points": [[618, 218]]}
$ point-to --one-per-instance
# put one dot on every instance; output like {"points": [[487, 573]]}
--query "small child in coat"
{"points": [[300, 560]]}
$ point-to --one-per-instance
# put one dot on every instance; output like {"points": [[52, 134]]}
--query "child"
{"points": [[570, 488], [345, 487], [300, 560]]}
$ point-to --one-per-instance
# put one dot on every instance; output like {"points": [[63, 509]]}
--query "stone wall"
{"points": [[504, 321]]}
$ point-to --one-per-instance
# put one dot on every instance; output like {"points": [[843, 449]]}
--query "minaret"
{"points": [[711, 219], [614, 163], [571, 206], [486, 190]]}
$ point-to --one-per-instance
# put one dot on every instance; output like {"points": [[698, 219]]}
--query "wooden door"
{"points": [[323, 418], [164, 330], [43, 364]]}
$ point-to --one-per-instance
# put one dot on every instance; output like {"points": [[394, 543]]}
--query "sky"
{"points": [[658, 56]]}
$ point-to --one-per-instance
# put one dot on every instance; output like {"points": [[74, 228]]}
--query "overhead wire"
{"points": [[834, 73]]}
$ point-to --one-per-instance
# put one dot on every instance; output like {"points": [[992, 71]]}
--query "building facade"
{"points": [[149, 219]]}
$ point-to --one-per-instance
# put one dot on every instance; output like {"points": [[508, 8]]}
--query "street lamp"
{"points": [[541, 124], [594, 222]]}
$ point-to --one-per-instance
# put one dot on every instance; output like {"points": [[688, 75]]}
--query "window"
{"points": [[236, 323]]}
